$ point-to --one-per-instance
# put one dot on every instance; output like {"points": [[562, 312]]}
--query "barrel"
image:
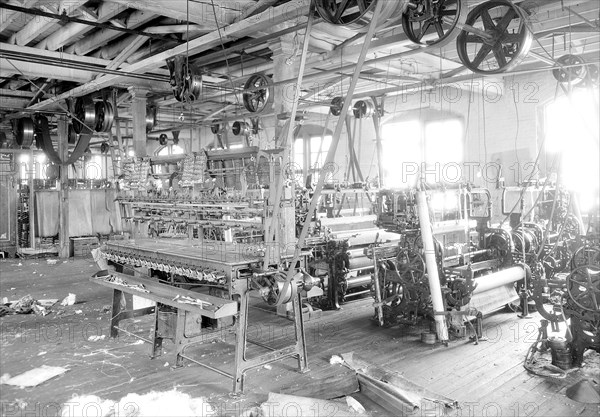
{"points": [[561, 358]]}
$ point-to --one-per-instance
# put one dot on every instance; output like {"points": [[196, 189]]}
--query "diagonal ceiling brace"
{"points": [[335, 140]]}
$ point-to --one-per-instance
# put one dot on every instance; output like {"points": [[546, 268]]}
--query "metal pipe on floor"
{"points": [[432, 268]]}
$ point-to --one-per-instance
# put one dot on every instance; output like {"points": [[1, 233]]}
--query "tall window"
{"points": [[299, 153], [319, 146], [169, 150], [572, 133], [416, 149], [310, 155]]}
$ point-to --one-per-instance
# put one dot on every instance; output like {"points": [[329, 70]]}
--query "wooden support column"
{"points": [[285, 61], [378, 140], [63, 189], [284, 68], [138, 112]]}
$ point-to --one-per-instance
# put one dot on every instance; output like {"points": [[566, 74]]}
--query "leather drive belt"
{"points": [[48, 147]]}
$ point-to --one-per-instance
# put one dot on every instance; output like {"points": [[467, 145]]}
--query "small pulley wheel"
{"points": [[434, 22], [586, 255], [495, 38], [104, 148], [336, 105], [192, 85], [24, 132], [150, 118], [105, 116], [258, 94], [163, 139], [217, 127], [3, 140], [72, 139], [84, 120], [240, 128], [572, 70], [363, 109]]}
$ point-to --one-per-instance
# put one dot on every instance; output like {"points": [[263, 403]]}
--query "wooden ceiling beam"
{"points": [[6, 92], [72, 30], [271, 17], [37, 26], [198, 13], [104, 36], [10, 16], [37, 70]]}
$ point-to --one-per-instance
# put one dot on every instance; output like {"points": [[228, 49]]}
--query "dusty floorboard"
{"points": [[487, 379]]}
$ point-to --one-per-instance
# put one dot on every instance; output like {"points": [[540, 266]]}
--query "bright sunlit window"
{"points": [[402, 151], [443, 142], [572, 130], [169, 150], [299, 153], [319, 146], [411, 147], [315, 155], [94, 168]]}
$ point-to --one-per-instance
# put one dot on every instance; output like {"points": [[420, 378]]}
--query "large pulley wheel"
{"points": [[411, 265], [24, 132], [593, 76], [105, 115], [358, 14], [433, 22], [84, 120], [495, 38], [258, 94], [586, 255], [572, 70], [583, 287]]}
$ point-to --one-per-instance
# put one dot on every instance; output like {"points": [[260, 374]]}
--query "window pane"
{"points": [[572, 129], [299, 152], [402, 155], [176, 150], [444, 142], [318, 150]]}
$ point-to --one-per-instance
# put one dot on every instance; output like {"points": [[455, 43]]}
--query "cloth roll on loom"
{"points": [[496, 290]]}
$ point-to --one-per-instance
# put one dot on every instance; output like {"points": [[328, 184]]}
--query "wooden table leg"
{"points": [[240, 345], [180, 336], [156, 346], [116, 313]]}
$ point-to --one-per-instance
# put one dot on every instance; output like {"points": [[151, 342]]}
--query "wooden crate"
{"points": [[81, 246]]}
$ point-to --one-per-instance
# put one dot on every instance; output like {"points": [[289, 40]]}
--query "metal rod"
{"points": [[37, 59], [220, 372]]}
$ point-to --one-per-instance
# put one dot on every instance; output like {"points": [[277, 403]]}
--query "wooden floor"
{"points": [[487, 379]]}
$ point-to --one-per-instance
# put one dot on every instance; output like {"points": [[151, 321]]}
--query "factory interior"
{"points": [[299, 208]]}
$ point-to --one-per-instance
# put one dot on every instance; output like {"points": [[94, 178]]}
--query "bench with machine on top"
{"points": [[190, 308]]}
